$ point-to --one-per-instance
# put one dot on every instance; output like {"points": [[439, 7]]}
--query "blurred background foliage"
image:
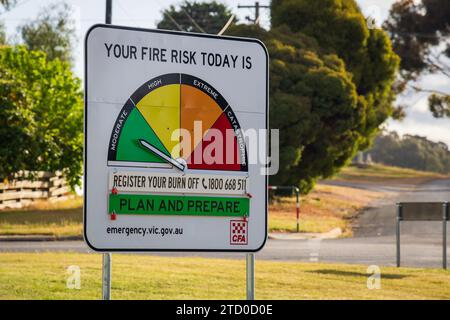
{"points": [[333, 80], [410, 151]]}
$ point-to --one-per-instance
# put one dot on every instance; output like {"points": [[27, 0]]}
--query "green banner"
{"points": [[178, 205]]}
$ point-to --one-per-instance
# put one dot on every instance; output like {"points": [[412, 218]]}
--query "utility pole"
{"points": [[108, 17], [257, 6]]}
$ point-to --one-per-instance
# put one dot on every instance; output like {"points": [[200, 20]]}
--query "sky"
{"points": [[146, 14]]}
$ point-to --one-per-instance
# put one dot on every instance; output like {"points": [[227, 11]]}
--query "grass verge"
{"points": [[45, 275]]}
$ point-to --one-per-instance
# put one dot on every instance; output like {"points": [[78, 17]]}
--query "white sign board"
{"points": [[168, 165]]}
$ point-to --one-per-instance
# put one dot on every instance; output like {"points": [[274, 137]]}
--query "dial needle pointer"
{"points": [[162, 155]]}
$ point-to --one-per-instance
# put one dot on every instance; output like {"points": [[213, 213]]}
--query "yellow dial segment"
{"points": [[161, 109]]}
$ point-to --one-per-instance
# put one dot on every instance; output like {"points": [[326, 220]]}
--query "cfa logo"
{"points": [[238, 232]]}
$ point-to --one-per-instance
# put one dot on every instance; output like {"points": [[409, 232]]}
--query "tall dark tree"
{"points": [[340, 28], [420, 33], [52, 32], [209, 17], [314, 103], [331, 85]]}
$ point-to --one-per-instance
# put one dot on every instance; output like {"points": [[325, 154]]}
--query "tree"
{"points": [[41, 114], [340, 28], [2, 34], [7, 4], [52, 32], [330, 85], [209, 17], [314, 104], [411, 151], [420, 33]]}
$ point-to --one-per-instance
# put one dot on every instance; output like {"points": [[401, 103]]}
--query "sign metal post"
{"points": [[399, 218], [106, 278], [444, 234], [250, 275]]}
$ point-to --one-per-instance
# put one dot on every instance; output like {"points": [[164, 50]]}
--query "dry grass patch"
{"points": [[60, 218], [325, 208]]}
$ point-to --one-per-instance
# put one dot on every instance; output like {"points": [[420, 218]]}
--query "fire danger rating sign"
{"points": [[168, 116]]}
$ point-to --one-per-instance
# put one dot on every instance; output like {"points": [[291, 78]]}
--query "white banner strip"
{"points": [[148, 182]]}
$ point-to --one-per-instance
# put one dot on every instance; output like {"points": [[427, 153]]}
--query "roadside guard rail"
{"points": [[423, 211], [296, 190]]}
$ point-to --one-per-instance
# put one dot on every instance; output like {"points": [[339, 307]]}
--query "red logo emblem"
{"points": [[238, 232]]}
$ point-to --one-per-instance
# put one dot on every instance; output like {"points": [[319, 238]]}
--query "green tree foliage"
{"points": [[411, 151], [420, 32], [330, 85], [7, 4], [313, 102], [2, 34], [209, 17], [439, 104], [340, 28], [51, 32], [41, 114]]}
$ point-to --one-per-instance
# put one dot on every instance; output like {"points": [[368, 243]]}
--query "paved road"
{"points": [[367, 250], [374, 241], [380, 220]]}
